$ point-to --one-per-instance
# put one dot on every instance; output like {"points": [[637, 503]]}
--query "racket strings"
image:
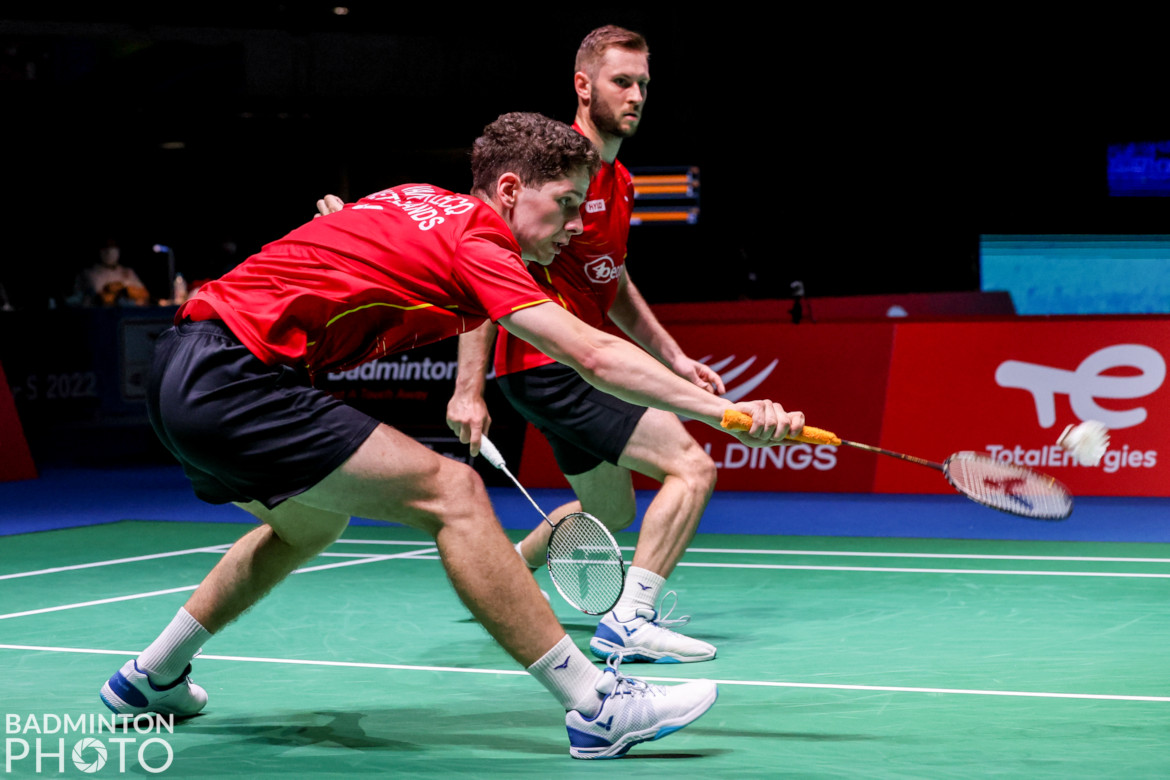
{"points": [[585, 563], [1008, 487]]}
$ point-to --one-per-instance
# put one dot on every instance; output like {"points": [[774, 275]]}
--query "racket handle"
{"points": [[489, 451], [734, 420]]}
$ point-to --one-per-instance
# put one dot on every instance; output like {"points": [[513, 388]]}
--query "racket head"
{"points": [[585, 563], [1007, 487]]}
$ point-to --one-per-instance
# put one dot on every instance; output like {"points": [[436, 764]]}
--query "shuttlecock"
{"points": [[1087, 442]]}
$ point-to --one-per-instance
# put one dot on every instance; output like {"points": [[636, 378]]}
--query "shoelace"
{"points": [[665, 621], [613, 682]]}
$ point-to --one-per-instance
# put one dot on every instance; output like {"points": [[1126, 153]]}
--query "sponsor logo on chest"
{"points": [[594, 206], [603, 270]]}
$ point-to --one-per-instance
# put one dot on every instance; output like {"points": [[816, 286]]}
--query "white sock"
{"points": [[570, 677], [168, 656], [642, 589], [521, 554]]}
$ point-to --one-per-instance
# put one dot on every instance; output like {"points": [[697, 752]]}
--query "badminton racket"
{"points": [[1004, 486], [584, 562]]}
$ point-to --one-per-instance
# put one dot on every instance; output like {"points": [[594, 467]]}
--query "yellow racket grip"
{"points": [[734, 420]]}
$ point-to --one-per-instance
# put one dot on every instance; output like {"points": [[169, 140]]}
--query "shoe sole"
{"points": [[121, 707], [663, 729], [111, 700], [604, 649]]}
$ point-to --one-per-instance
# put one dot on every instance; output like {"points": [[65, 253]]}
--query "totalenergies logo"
{"points": [[1122, 372], [1089, 382]]}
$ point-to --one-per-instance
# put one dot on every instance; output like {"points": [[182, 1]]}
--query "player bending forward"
{"points": [[231, 396]]}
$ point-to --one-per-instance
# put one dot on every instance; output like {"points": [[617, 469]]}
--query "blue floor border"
{"points": [[66, 498]]}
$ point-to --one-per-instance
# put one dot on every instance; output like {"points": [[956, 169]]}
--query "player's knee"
{"points": [[622, 517], [696, 467], [458, 496], [305, 528]]}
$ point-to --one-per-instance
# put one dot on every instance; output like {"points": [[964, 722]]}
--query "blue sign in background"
{"points": [[1079, 274]]}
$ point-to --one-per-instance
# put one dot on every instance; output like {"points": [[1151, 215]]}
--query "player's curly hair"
{"points": [[595, 44], [534, 147]]}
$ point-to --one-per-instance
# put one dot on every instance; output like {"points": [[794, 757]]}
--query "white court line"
{"points": [[897, 569], [849, 553], [516, 672], [219, 548], [962, 556], [133, 596], [901, 570], [384, 541]]}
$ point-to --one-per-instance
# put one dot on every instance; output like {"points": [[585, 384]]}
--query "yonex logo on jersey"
{"points": [[594, 206], [1089, 381], [603, 270]]}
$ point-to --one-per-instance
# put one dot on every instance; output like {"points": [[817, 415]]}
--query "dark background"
{"points": [[858, 152]]}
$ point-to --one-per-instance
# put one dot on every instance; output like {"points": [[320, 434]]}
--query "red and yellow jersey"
{"points": [[401, 268], [584, 276]]}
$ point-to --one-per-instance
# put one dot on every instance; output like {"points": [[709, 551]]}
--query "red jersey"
{"points": [[584, 276], [403, 267]]}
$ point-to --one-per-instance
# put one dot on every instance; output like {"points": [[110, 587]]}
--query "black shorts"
{"points": [[241, 429], [584, 425]]}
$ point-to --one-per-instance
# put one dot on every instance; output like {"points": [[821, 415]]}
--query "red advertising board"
{"points": [[1009, 388], [15, 460], [1006, 388], [835, 373]]}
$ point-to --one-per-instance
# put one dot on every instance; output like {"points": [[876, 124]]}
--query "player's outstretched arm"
{"points": [[618, 367], [633, 315]]}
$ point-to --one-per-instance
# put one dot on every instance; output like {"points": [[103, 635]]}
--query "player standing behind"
{"points": [[599, 439]]}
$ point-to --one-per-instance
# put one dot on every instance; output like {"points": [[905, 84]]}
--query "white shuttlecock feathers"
{"points": [[1087, 441]]}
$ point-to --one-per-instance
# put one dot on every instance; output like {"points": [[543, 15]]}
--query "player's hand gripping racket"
{"points": [[1003, 486], [584, 562]]}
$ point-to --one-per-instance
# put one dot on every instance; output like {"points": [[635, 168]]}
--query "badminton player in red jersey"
{"points": [[598, 439], [230, 394]]}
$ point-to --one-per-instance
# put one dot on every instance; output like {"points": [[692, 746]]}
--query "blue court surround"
{"points": [[65, 498]]}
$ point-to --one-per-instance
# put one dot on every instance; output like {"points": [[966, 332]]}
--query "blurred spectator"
{"points": [[109, 283]]}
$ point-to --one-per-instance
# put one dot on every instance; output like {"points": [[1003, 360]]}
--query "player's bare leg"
{"points": [[291, 535], [660, 448], [391, 477], [606, 492]]}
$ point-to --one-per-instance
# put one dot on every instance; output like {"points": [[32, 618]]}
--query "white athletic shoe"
{"points": [[634, 711], [130, 692], [646, 637]]}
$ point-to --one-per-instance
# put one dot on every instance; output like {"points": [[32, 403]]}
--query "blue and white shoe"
{"points": [[131, 692], [634, 711], [647, 637]]}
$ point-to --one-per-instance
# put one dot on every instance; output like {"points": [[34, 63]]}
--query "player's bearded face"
{"points": [[618, 92]]}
